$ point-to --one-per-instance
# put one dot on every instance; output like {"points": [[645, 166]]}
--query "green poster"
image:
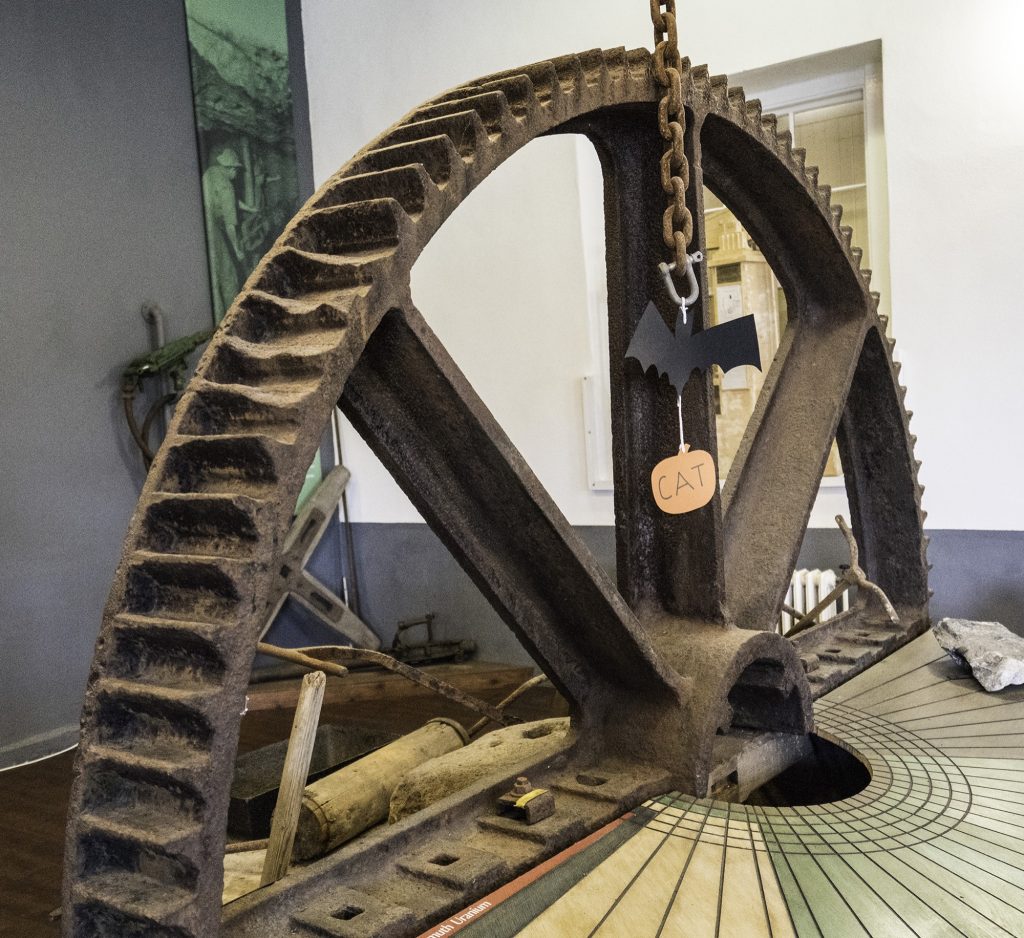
{"points": [[243, 105]]}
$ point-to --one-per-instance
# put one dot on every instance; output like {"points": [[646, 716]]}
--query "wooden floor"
{"points": [[33, 807], [931, 847], [33, 799]]}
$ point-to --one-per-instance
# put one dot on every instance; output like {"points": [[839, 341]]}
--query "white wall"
{"points": [[517, 320]]}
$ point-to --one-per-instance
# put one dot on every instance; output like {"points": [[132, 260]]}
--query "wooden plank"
{"points": [[477, 677], [907, 907], [586, 905], [293, 778], [744, 895], [946, 896], [33, 806], [242, 873]]}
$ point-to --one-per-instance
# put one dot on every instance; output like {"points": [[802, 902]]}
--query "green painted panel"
{"points": [[799, 911], [242, 97], [830, 909], [246, 134], [869, 906]]}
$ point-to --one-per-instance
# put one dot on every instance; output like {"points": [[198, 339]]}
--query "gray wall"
{"points": [[405, 571], [99, 211], [975, 574]]}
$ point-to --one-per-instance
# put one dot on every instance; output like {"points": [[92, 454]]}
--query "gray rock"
{"points": [[994, 654]]}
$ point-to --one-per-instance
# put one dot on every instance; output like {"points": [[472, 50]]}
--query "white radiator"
{"points": [[807, 588]]}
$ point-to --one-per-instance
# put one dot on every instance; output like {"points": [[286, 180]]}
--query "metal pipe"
{"points": [[154, 316], [350, 549], [510, 699]]}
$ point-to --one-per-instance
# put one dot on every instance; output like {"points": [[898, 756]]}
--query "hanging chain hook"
{"points": [[691, 281], [674, 170]]}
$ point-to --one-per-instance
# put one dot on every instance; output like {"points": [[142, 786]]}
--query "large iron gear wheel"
{"points": [[682, 646]]}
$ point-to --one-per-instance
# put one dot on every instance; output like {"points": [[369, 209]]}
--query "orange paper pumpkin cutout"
{"points": [[684, 482]]}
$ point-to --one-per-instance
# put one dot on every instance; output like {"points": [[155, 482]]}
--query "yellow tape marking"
{"points": [[529, 796]]}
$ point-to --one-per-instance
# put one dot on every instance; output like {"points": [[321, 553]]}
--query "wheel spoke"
{"points": [[418, 412], [774, 481], [664, 562], [775, 477]]}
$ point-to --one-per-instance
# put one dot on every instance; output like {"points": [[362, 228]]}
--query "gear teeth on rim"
{"points": [[765, 127], [737, 100], [237, 443]]}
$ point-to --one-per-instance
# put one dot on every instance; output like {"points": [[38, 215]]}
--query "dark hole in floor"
{"points": [[347, 912], [444, 859], [828, 773]]}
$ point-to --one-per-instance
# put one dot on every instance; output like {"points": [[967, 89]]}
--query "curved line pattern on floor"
{"points": [[934, 846]]}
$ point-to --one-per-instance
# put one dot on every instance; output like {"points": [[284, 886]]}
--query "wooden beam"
{"points": [[477, 677]]}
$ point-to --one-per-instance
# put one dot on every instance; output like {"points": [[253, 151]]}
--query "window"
{"points": [[831, 115], [832, 105]]}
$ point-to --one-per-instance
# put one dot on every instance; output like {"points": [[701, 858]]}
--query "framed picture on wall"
{"points": [[246, 134]]}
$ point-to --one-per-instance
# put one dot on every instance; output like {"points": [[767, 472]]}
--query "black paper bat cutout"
{"points": [[676, 356]]}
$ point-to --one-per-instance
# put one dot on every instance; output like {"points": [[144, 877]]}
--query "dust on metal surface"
{"points": [[682, 642]]}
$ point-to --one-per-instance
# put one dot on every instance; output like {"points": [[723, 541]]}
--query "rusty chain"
{"points": [[677, 222]]}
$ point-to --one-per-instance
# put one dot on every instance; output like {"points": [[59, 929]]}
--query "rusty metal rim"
{"points": [[160, 722]]}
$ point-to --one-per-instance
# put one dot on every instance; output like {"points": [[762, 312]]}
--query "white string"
{"points": [[679, 407]]}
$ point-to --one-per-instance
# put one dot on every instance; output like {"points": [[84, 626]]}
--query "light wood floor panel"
{"points": [[933, 847]]}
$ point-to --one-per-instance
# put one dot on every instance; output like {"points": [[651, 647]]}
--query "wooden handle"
{"points": [[293, 778]]}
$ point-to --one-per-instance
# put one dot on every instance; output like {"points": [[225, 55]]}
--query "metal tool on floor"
{"points": [[168, 366], [432, 649]]}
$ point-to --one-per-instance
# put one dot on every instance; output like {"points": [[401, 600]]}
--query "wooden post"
{"points": [[293, 778]]}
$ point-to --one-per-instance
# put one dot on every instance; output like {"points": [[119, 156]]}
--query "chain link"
{"points": [[677, 222]]}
